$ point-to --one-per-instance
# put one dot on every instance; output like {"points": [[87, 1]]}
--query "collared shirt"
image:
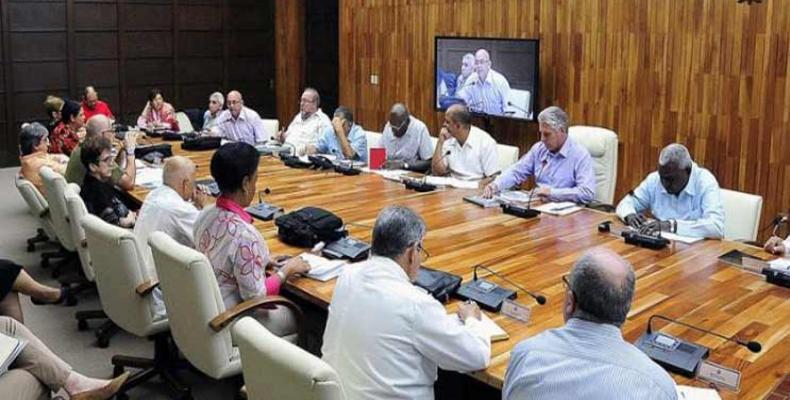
{"points": [[210, 121], [303, 132], [165, 116], [568, 172], [413, 146], [698, 209], [583, 360], [476, 159], [75, 170], [31, 164], [237, 251], [385, 337], [63, 140], [328, 143], [102, 201], [164, 210], [99, 108], [488, 96], [247, 127]]}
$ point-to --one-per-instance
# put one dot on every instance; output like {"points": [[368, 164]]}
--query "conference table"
{"points": [[684, 281]]}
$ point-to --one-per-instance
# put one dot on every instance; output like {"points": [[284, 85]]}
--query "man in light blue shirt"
{"points": [[485, 90], [564, 169], [407, 141], [587, 358], [344, 139], [683, 197]]}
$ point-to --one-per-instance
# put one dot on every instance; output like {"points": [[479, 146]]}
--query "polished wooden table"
{"points": [[686, 282]]}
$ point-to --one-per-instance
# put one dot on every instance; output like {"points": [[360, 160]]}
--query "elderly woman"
{"points": [[70, 131], [215, 103], [53, 105], [157, 114], [34, 149], [97, 189], [237, 251]]}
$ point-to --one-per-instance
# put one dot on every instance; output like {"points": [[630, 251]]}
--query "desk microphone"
{"points": [[510, 104], [261, 193], [263, 211], [753, 346], [538, 297], [525, 212], [420, 185]]}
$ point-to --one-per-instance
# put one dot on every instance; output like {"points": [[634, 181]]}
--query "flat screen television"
{"points": [[493, 77]]}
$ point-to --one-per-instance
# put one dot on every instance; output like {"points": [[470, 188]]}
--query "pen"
{"points": [[562, 208]]}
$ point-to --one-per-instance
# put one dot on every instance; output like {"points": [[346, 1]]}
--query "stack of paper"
{"points": [[150, 178], [695, 393], [449, 181], [391, 174], [780, 264], [322, 269], [491, 329], [679, 238], [514, 196], [10, 347], [563, 208]]}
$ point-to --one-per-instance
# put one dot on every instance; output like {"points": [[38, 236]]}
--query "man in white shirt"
{"points": [[386, 337], [306, 126], [407, 141], [240, 123], [486, 90], [464, 151]]}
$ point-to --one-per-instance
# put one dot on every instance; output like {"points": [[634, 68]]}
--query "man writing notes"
{"points": [[407, 141], [587, 358], [464, 151], [386, 337], [240, 123], [682, 196], [563, 168], [485, 90], [344, 139], [307, 125]]}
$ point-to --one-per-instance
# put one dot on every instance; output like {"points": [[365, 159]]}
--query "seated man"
{"points": [[215, 104], [775, 245], [464, 151], [407, 141], [385, 336], [683, 197], [307, 125], [240, 123], [564, 169], [101, 126], [344, 139], [587, 358], [97, 190], [70, 131], [34, 150], [91, 105], [485, 90]]}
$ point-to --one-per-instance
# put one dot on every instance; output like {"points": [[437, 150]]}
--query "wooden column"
{"points": [[289, 56]]}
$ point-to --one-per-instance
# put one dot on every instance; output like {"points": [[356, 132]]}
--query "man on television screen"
{"points": [[467, 68], [486, 90]]}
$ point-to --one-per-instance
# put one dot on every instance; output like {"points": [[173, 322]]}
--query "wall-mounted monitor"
{"points": [[493, 77]]}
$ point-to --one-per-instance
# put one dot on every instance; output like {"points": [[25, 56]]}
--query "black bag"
{"points": [[307, 226], [439, 284], [164, 150], [201, 143]]}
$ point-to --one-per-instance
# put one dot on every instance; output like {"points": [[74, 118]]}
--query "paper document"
{"points": [[10, 347], [150, 178], [391, 174], [139, 164], [780, 264], [696, 393], [562, 208], [322, 269], [449, 181], [491, 329], [678, 238]]}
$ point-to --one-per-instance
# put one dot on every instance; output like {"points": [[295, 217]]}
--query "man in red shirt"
{"points": [[91, 105]]}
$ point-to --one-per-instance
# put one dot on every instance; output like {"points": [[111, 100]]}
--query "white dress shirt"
{"points": [[385, 337], [247, 127], [476, 159], [303, 132]]}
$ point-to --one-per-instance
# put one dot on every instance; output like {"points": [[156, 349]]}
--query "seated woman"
{"points": [[71, 129], [14, 280], [34, 150], [52, 106], [237, 251], [97, 190], [37, 371], [157, 114], [215, 103]]}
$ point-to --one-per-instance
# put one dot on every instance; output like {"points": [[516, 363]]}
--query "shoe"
{"points": [[65, 292], [104, 392]]}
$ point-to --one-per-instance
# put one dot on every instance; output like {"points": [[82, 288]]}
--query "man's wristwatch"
{"points": [[406, 165], [130, 153], [281, 275]]}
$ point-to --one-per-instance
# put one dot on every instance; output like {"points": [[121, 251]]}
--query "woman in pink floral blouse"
{"points": [[158, 114]]}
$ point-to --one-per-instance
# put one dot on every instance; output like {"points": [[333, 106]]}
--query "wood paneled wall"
{"points": [[187, 48], [290, 48], [712, 74]]}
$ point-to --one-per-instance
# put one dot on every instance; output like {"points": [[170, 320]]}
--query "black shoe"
{"points": [[65, 293]]}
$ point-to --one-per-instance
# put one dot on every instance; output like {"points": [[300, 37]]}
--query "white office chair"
{"points": [[517, 105], [506, 156], [602, 145], [268, 361], [373, 139], [198, 318], [55, 185], [184, 124], [271, 127], [741, 214], [39, 208]]}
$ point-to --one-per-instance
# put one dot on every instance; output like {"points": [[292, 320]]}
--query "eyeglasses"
{"points": [[423, 253], [106, 160], [398, 127]]}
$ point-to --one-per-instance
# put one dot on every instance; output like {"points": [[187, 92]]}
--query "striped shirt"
{"points": [[247, 127], [583, 360]]}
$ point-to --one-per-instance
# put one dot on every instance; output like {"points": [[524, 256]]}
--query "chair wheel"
{"points": [[31, 247], [103, 342], [45, 263], [117, 371], [82, 325]]}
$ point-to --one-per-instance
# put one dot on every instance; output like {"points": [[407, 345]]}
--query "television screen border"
{"points": [[536, 102]]}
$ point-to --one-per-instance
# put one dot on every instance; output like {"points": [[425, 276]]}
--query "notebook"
{"points": [[10, 347], [322, 269], [491, 329]]}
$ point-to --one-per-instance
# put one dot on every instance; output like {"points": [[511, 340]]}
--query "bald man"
{"points": [[486, 90], [91, 105], [240, 123], [122, 177], [587, 357], [464, 151], [308, 125], [407, 141]]}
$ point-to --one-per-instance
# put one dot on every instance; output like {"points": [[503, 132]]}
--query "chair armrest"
{"points": [[221, 321], [44, 213], [146, 287]]}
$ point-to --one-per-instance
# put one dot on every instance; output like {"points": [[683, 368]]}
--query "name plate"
{"points": [[719, 375], [516, 310]]}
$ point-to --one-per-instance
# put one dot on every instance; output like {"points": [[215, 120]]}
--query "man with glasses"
{"points": [[386, 337], [123, 177], [587, 358], [307, 125], [239, 123], [486, 90], [215, 104], [407, 141]]}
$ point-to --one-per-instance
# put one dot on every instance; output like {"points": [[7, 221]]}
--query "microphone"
{"points": [[510, 104], [525, 212], [420, 185], [636, 238], [754, 347], [263, 210], [261, 193], [490, 296], [538, 297]]}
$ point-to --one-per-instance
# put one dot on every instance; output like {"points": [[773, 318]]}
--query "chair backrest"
{"points": [[119, 268], [268, 361], [192, 299], [602, 145], [36, 204], [55, 184], [506, 156], [373, 139], [77, 211], [271, 126], [518, 103], [741, 214], [184, 124]]}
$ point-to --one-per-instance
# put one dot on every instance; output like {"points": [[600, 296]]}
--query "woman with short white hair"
{"points": [[215, 103]]}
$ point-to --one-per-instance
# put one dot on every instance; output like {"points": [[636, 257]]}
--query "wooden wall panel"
{"points": [[712, 74], [289, 48]]}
